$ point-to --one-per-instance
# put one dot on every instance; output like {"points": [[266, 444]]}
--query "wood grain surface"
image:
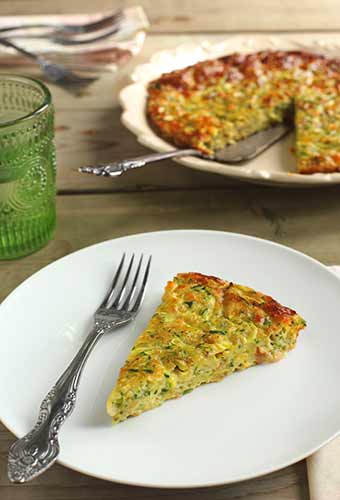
{"points": [[307, 220], [176, 16], [170, 196]]}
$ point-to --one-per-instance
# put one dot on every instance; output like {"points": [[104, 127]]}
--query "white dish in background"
{"points": [[249, 424], [276, 166]]}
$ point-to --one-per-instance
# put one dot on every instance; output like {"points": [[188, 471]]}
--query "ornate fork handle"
{"points": [[119, 167], [36, 451]]}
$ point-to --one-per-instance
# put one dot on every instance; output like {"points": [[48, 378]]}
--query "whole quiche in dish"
{"points": [[218, 102], [204, 329]]}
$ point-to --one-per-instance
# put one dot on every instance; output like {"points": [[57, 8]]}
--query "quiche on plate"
{"points": [[218, 102], [204, 329]]}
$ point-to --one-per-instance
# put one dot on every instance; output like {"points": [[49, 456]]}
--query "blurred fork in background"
{"points": [[55, 73], [71, 38], [63, 34], [112, 19], [73, 50]]}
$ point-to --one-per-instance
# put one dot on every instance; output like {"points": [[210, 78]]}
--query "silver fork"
{"points": [[74, 38], [56, 73], [94, 37], [38, 450], [71, 29]]}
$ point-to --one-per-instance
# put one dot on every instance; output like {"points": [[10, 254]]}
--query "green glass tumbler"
{"points": [[27, 166]]}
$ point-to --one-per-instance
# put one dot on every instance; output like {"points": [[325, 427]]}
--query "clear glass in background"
{"points": [[27, 166]]}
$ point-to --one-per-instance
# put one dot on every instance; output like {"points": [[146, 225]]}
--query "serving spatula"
{"points": [[236, 154]]}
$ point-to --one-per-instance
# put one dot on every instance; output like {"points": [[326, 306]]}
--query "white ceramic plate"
{"points": [[249, 424], [277, 165]]}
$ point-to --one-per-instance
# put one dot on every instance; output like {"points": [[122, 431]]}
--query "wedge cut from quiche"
{"points": [[204, 329]]}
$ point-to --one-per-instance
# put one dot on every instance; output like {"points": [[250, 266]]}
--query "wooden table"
{"points": [[167, 197]]}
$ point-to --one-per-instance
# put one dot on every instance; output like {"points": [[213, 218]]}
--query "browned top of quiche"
{"points": [[219, 102]]}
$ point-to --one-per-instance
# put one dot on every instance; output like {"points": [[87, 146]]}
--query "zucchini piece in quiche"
{"points": [[317, 118], [204, 329]]}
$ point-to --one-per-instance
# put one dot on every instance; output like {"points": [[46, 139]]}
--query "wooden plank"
{"points": [[242, 15], [219, 15], [286, 216], [61, 483]]}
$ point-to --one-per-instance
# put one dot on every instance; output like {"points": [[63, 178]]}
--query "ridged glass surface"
{"points": [[27, 167]]}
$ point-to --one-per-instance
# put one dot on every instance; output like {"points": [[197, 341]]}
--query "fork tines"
{"points": [[101, 32], [109, 20], [121, 294], [112, 18]]}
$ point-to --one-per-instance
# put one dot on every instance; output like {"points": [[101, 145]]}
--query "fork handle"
{"points": [[121, 166], [27, 53], [19, 27], [36, 451]]}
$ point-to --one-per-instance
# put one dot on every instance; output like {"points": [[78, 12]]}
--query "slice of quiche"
{"points": [[317, 118], [204, 329]]}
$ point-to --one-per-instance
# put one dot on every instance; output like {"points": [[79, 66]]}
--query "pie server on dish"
{"points": [[235, 154]]}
